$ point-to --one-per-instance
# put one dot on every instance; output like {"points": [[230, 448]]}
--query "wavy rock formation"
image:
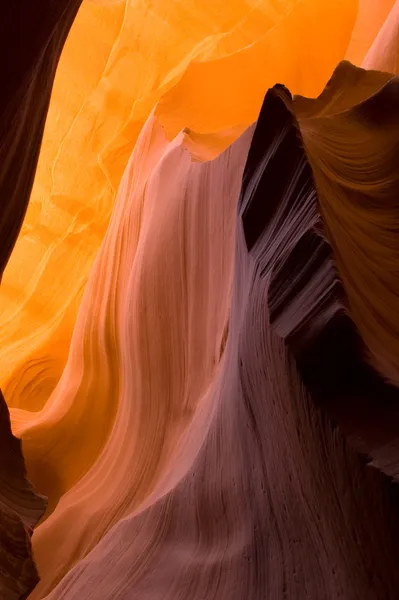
{"points": [[31, 40], [265, 498], [351, 140], [158, 362], [39, 34], [198, 390], [202, 61]]}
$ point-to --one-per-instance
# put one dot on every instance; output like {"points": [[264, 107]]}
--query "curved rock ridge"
{"points": [[106, 439], [330, 303], [200, 63], [350, 135], [34, 36], [31, 39], [267, 500], [353, 157], [181, 432]]}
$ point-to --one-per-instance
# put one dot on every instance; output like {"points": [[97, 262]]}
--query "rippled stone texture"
{"points": [[138, 54], [265, 498], [32, 35], [181, 447], [351, 137]]}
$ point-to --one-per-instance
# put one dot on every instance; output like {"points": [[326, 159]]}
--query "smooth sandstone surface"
{"points": [[31, 41], [267, 499], [180, 336], [290, 271], [201, 62]]}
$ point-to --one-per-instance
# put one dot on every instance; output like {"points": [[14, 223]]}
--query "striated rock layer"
{"points": [[165, 310], [351, 137], [201, 62], [31, 40], [264, 498], [181, 430]]}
